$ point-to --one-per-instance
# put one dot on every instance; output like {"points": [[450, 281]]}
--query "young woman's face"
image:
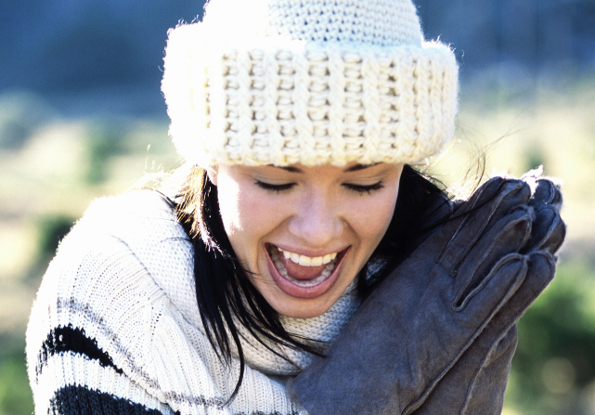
{"points": [[305, 232]]}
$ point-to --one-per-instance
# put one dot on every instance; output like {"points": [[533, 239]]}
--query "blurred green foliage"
{"points": [[15, 394], [51, 231], [555, 358], [535, 157], [105, 142]]}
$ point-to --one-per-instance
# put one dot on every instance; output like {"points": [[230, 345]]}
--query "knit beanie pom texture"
{"points": [[308, 81]]}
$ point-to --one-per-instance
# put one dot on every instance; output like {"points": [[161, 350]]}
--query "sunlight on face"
{"points": [[305, 232]]}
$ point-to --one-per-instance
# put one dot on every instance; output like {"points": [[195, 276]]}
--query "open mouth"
{"points": [[304, 276]]}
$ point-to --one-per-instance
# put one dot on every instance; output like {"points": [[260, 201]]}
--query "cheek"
{"points": [[230, 206], [374, 215], [247, 215]]}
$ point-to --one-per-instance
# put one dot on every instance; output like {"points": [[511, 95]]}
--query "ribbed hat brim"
{"points": [[284, 102]]}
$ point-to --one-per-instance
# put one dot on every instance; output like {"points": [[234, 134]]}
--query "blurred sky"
{"points": [[71, 49]]}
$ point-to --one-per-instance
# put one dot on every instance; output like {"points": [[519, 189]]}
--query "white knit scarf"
{"points": [[320, 331]]}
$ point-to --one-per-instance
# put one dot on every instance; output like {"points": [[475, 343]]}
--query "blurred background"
{"points": [[82, 116]]}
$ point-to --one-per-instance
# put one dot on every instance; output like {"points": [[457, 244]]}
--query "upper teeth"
{"points": [[306, 260]]}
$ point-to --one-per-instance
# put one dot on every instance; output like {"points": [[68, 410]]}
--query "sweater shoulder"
{"points": [[133, 215], [126, 253], [124, 269], [141, 229]]}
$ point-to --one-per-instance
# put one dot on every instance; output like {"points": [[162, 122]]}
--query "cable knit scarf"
{"points": [[322, 329]]}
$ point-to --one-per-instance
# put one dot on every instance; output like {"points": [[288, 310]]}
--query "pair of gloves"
{"points": [[437, 336]]}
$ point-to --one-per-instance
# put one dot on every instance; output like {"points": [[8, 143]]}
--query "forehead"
{"points": [[350, 167], [298, 171], [323, 170]]}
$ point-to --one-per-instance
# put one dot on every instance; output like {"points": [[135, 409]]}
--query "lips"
{"points": [[313, 278]]}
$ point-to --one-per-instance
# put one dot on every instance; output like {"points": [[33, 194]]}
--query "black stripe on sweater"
{"points": [[78, 400], [70, 339]]}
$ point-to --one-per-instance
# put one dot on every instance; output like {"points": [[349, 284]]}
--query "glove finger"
{"points": [[546, 192], [484, 300], [541, 268], [477, 382], [491, 351], [506, 193], [505, 237], [495, 199], [548, 230], [486, 395], [541, 271]]}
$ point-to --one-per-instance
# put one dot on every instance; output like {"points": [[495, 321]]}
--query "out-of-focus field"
{"points": [[52, 167]]}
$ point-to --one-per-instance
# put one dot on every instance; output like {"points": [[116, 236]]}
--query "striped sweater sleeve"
{"points": [[80, 362]]}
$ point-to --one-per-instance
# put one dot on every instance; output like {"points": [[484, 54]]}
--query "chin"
{"points": [[306, 309]]}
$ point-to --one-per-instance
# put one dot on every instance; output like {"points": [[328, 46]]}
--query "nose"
{"points": [[317, 221]]}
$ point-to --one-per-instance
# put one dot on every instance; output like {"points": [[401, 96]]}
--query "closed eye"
{"points": [[361, 189], [274, 187]]}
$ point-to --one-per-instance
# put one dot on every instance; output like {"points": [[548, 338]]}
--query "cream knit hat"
{"points": [[308, 81]]}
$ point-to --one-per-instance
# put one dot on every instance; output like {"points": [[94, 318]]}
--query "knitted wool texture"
{"points": [[308, 81], [116, 329]]}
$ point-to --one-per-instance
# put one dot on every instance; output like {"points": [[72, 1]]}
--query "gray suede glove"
{"points": [[421, 319], [477, 382]]}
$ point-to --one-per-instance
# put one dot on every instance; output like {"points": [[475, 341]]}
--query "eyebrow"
{"points": [[357, 167]]}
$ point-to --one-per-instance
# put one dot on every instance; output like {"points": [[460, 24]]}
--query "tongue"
{"points": [[300, 272]]}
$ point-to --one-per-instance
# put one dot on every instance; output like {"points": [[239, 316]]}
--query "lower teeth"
{"points": [[276, 257]]}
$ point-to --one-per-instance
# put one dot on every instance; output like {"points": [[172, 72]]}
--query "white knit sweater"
{"points": [[115, 327]]}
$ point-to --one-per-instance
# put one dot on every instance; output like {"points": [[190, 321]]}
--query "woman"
{"points": [[299, 122]]}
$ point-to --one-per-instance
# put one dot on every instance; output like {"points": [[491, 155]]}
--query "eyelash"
{"points": [[360, 189], [277, 188]]}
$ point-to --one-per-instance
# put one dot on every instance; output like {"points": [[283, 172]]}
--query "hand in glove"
{"points": [[477, 382], [419, 321]]}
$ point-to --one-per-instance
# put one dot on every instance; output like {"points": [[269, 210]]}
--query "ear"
{"points": [[212, 172]]}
